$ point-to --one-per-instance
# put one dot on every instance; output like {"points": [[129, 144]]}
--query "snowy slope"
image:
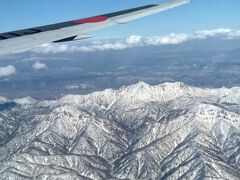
{"points": [[3, 100], [169, 131]]}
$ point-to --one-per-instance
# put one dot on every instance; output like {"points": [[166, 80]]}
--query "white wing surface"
{"points": [[15, 41]]}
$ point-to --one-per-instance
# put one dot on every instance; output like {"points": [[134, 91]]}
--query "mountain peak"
{"points": [[25, 101], [142, 84], [3, 100], [167, 131]]}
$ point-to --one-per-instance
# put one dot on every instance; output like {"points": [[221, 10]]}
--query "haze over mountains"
{"points": [[168, 131], [212, 62]]}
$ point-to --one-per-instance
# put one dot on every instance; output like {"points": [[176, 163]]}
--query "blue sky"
{"points": [[199, 15]]}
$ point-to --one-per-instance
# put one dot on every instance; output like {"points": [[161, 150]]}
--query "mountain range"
{"points": [[167, 131]]}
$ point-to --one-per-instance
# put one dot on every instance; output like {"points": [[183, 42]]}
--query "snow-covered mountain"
{"points": [[169, 131], [3, 99]]}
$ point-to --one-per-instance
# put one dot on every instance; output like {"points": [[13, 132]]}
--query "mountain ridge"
{"points": [[168, 131]]}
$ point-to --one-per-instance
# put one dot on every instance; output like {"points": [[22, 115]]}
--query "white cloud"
{"points": [[56, 48], [107, 46], [137, 41], [7, 71], [168, 39], [39, 66], [39, 58], [80, 86], [53, 48], [134, 39], [221, 32]]}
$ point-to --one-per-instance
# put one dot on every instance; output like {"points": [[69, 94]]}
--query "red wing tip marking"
{"points": [[91, 20]]}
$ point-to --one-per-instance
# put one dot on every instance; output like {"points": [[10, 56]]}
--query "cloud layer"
{"points": [[38, 66], [7, 71], [138, 41]]}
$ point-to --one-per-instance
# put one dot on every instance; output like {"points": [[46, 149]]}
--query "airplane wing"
{"points": [[21, 40]]}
